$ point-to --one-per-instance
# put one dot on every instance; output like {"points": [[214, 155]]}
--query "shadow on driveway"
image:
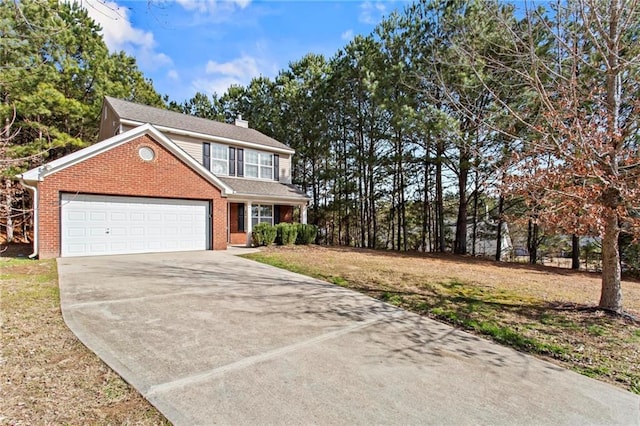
{"points": [[212, 338]]}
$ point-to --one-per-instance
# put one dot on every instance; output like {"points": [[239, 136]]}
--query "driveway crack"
{"points": [[252, 360]]}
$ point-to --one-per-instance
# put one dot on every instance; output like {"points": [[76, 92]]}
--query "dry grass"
{"points": [[542, 310], [48, 376]]}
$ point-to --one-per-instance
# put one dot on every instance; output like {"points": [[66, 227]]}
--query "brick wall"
{"points": [[121, 171], [236, 237]]}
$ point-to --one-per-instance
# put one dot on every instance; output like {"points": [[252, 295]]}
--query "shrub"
{"points": [[286, 233], [306, 234], [263, 234]]}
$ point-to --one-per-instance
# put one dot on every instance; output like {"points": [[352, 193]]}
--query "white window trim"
{"points": [[259, 217], [258, 165], [212, 158]]}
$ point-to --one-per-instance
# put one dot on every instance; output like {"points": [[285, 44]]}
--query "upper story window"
{"points": [[219, 159], [226, 160], [258, 164]]}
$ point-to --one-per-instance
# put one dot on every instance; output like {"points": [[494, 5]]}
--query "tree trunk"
{"points": [[398, 210], [532, 242], [439, 198], [499, 236], [611, 294], [460, 246], [9, 209], [575, 252], [361, 202], [474, 231], [425, 205]]}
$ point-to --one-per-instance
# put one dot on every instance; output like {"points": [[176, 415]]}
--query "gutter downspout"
{"points": [[34, 190]]}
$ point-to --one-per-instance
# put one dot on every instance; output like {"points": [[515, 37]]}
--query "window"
{"points": [[219, 159], [266, 166], [258, 164], [251, 159], [261, 213]]}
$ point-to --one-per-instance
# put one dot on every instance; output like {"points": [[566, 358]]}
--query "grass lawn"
{"points": [[541, 310], [48, 376]]}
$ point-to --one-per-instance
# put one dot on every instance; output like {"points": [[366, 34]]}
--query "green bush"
{"points": [[306, 234], [263, 234], [286, 233]]}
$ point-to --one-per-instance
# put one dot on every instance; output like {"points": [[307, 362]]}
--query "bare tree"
{"points": [[578, 69]]}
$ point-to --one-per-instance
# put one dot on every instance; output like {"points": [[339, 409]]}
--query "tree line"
{"points": [[449, 120], [55, 70], [453, 117]]}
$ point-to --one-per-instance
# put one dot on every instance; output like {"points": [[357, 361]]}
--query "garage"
{"points": [[136, 192], [102, 224]]}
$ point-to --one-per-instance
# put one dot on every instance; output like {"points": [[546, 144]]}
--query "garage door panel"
{"points": [[74, 249], [74, 215], [76, 232], [98, 216], [97, 248], [137, 245], [95, 225], [119, 217], [95, 231], [118, 231], [154, 217]]}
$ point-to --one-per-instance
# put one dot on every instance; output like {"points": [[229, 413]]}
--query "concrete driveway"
{"points": [[210, 338]]}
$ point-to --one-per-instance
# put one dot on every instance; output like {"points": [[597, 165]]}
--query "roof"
{"points": [[253, 188], [39, 173], [160, 117]]}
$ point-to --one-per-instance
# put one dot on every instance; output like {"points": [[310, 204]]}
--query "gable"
{"points": [[132, 114], [132, 136]]}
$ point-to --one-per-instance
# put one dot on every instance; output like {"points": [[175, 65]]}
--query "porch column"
{"points": [[247, 221], [303, 213]]}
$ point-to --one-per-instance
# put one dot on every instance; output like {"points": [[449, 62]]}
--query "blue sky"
{"points": [[186, 46]]}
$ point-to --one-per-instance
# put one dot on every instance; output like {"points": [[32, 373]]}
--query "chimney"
{"points": [[240, 122]]}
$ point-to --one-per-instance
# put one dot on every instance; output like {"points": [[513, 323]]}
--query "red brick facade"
{"points": [[121, 171], [235, 236]]}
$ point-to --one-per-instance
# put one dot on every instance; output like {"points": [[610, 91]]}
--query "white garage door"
{"points": [[95, 224]]}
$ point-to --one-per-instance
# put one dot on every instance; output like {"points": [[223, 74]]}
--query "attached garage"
{"points": [[137, 192], [98, 225]]}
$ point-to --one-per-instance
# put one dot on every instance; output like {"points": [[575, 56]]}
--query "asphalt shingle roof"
{"points": [[266, 188], [161, 117]]}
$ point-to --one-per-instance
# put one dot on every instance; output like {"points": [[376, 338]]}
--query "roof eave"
{"points": [[268, 197]]}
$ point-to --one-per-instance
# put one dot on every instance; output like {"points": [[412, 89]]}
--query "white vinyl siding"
{"points": [[258, 164], [219, 159], [261, 213], [193, 148], [285, 168]]}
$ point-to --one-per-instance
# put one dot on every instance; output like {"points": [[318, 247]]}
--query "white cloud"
{"points": [[213, 6], [371, 12], [347, 35], [119, 34], [217, 85], [173, 75], [219, 76], [243, 67]]}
